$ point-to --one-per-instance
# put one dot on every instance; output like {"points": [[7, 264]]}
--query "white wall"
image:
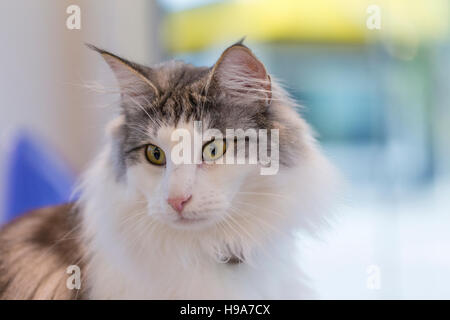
{"points": [[43, 65]]}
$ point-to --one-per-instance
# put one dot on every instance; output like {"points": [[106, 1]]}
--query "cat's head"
{"points": [[160, 103]]}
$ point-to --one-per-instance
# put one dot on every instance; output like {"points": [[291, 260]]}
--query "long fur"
{"points": [[135, 256]]}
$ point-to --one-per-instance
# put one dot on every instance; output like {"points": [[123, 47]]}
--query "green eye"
{"points": [[214, 150], [155, 155]]}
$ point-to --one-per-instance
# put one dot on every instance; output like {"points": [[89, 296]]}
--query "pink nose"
{"points": [[178, 203]]}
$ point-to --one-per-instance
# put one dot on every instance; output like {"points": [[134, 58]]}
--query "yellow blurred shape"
{"points": [[341, 21]]}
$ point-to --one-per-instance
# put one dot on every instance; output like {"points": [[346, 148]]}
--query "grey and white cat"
{"points": [[148, 228]]}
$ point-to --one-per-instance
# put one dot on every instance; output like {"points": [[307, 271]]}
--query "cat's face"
{"points": [[186, 195], [160, 102]]}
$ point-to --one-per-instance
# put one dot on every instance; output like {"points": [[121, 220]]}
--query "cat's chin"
{"points": [[191, 223]]}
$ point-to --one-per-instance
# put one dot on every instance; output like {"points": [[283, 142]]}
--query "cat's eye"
{"points": [[155, 155], [214, 150]]}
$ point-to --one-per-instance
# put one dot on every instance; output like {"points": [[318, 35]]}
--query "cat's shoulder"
{"points": [[35, 251]]}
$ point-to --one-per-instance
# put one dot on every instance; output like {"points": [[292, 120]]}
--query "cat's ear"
{"points": [[132, 78], [240, 73]]}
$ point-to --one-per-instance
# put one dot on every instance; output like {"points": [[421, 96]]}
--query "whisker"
{"points": [[266, 194], [259, 207], [259, 219]]}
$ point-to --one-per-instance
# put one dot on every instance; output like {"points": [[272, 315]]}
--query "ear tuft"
{"points": [[240, 42]]}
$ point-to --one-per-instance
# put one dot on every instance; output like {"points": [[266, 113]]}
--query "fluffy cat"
{"points": [[148, 228]]}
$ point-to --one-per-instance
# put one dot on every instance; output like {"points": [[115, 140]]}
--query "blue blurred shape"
{"points": [[36, 176]]}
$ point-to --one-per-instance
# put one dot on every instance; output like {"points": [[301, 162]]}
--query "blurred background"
{"points": [[377, 97]]}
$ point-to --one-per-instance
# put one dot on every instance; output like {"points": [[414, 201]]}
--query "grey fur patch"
{"points": [[35, 251]]}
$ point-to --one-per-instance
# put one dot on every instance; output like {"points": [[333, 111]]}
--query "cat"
{"points": [[146, 227]]}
